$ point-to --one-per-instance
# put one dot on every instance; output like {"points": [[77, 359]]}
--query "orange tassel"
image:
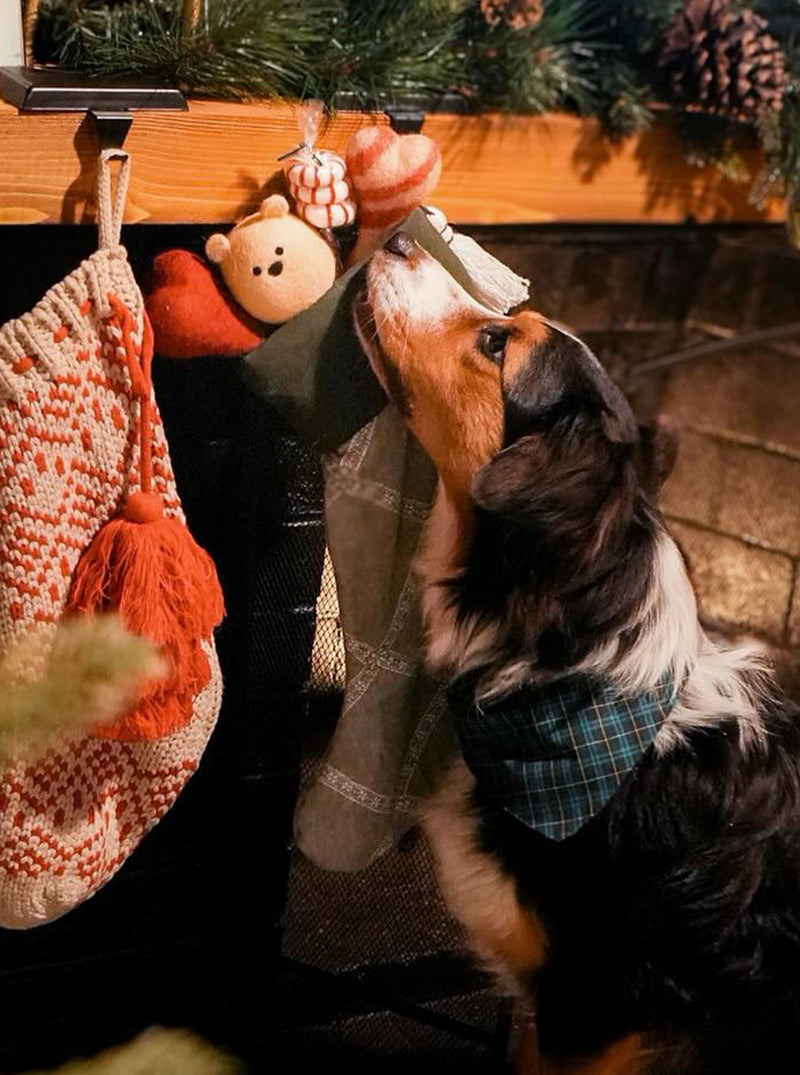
{"points": [[150, 569]]}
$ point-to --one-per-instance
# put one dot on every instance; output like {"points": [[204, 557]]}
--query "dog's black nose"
{"points": [[401, 244]]}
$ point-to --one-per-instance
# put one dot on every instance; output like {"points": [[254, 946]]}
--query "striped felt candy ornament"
{"points": [[318, 184], [392, 174], [317, 177], [321, 192]]}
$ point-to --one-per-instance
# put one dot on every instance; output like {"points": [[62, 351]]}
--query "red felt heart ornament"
{"points": [[191, 314]]}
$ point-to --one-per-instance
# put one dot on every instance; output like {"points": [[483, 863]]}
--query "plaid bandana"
{"points": [[554, 755]]}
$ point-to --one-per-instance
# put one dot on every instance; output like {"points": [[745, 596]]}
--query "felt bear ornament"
{"points": [[273, 263]]}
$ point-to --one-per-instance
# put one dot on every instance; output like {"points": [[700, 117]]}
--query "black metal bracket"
{"points": [[405, 120], [111, 128], [50, 89]]}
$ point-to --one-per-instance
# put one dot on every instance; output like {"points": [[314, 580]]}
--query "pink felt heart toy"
{"points": [[392, 174]]}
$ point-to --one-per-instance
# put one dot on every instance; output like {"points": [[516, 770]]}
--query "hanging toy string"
{"points": [[309, 121]]}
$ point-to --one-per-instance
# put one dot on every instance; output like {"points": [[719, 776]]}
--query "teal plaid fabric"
{"points": [[554, 755]]}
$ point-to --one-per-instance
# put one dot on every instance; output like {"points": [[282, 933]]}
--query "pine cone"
{"points": [[723, 60], [516, 14]]}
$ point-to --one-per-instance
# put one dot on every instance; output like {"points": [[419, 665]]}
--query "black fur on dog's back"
{"points": [[676, 911]]}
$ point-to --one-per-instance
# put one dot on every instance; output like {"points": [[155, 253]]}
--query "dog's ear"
{"points": [[506, 484], [658, 451], [570, 494]]}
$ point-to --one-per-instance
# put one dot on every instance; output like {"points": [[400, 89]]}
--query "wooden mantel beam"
{"points": [[210, 164]]}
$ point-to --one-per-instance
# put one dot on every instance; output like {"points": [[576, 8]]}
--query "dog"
{"points": [[660, 934]]}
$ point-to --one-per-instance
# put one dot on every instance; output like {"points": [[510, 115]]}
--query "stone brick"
{"points": [[794, 617], [671, 287], [748, 395], [746, 492], [726, 289], [547, 265], [694, 489], [777, 298], [607, 285], [621, 350], [761, 497], [737, 586]]}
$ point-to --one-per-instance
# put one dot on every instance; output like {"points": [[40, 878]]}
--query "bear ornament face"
{"points": [[273, 263]]}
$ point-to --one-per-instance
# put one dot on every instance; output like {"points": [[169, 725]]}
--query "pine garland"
{"points": [[385, 49], [780, 139], [377, 50], [591, 57], [242, 49]]}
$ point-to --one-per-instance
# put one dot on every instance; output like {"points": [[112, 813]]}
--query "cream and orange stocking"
{"points": [[90, 519]]}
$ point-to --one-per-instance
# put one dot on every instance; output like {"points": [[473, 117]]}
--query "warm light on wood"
{"points": [[191, 12], [210, 164], [30, 15]]}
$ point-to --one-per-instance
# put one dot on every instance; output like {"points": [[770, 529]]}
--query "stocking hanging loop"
{"points": [[110, 212]]}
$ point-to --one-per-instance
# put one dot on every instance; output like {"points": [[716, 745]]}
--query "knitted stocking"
{"points": [[73, 403]]}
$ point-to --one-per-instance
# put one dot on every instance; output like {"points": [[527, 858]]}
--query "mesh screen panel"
{"points": [[327, 655], [396, 982]]}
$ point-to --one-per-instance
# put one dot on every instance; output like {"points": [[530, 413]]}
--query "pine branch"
{"points": [[780, 140], [89, 673], [637, 25], [383, 48], [544, 67], [244, 49]]}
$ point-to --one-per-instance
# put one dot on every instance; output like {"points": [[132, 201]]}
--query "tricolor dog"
{"points": [[621, 839]]}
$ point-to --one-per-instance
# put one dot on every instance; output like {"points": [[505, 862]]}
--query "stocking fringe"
{"points": [[165, 589]]}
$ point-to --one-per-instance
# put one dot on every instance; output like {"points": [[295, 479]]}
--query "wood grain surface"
{"points": [[212, 163]]}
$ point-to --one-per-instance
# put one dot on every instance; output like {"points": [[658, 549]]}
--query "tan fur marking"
{"points": [[624, 1057], [525, 1058], [429, 332], [509, 937], [456, 408], [528, 331]]}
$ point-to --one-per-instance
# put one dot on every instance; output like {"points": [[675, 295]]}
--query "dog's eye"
{"points": [[492, 342]]}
